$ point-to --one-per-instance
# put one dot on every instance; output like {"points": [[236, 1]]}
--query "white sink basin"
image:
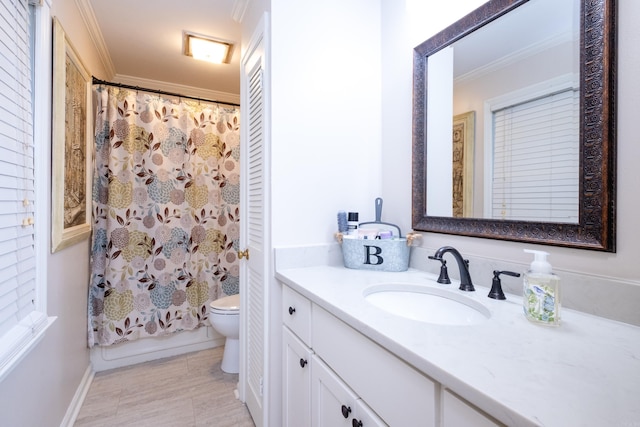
{"points": [[425, 304]]}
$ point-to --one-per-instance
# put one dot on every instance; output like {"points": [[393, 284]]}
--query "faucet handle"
{"points": [[444, 274], [496, 285]]}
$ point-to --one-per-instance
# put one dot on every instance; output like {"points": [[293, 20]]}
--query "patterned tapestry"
{"points": [[165, 213]]}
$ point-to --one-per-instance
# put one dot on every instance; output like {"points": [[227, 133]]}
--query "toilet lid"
{"points": [[231, 302]]}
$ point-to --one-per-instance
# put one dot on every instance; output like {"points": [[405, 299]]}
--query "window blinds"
{"points": [[17, 254], [536, 159]]}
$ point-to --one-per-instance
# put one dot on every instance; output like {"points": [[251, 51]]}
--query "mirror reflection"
{"points": [[520, 70], [503, 138]]}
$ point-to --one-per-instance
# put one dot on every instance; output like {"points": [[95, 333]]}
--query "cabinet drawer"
{"points": [[296, 314], [397, 392]]}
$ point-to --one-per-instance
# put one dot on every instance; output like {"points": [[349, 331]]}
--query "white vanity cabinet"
{"points": [[410, 373], [331, 370], [313, 395]]}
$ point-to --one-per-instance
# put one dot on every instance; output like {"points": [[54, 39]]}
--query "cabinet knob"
{"points": [[346, 410], [356, 423], [291, 311], [243, 254], [303, 363]]}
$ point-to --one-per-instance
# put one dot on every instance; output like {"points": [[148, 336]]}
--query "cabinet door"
{"points": [[365, 417], [296, 405], [333, 403], [458, 413]]}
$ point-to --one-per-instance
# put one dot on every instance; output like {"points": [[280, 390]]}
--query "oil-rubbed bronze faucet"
{"points": [[463, 265], [496, 285]]}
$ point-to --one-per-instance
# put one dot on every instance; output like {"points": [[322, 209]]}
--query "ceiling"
{"points": [[143, 40], [526, 34]]}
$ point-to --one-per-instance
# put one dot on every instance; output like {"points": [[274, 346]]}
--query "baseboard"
{"points": [[78, 398], [144, 350]]}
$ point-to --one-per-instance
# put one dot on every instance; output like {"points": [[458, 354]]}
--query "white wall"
{"points": [[400, 34], [40, 389], [326, 124], [405, 24]]}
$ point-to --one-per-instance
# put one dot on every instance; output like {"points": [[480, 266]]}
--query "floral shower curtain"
{"points": [[165, 214]]}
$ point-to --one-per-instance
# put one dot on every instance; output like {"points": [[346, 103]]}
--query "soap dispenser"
{"points": [[541, 296]]}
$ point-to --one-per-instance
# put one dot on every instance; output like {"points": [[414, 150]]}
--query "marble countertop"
{"points": [[586, 372]]}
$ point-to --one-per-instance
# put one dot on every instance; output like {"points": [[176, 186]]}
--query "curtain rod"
{"points": [[97, 81]]}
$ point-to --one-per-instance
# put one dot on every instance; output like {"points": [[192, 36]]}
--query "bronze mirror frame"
{"points": [[596, 227]]}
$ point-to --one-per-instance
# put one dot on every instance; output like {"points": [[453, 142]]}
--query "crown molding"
{"points": [[239, 9], [196, 92], [90, 21], [516, 56]]}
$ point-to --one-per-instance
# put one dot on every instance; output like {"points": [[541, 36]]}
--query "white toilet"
{"points": [[224, 315]]}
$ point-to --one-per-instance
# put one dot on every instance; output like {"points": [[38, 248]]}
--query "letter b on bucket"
{"points": [[372, 253]]}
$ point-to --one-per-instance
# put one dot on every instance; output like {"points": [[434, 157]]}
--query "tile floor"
{"points": [[182, 391]]}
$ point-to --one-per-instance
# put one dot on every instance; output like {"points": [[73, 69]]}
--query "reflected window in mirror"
{"points": [[532, 168]]}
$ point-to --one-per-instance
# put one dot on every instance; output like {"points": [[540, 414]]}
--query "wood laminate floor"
{"points": [[182, 391]]}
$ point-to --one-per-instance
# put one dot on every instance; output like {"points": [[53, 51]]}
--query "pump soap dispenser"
{"points": [[541, 296]]}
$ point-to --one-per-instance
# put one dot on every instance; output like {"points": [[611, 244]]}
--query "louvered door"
{"points": [[254, 231]]}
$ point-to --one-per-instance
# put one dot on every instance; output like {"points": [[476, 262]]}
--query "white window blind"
{"points": [[536, 159], [20, 322]]}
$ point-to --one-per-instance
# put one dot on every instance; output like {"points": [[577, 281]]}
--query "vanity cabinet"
{"points": [[313, 395], [335, 376]]}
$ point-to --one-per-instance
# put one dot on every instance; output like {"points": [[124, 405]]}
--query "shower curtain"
{"points": [[165, 213]]}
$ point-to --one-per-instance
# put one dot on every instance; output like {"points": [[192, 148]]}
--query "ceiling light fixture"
{"points": [[207, 48]]}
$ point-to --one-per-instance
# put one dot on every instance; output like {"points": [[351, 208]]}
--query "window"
{"points": [[536, 158], [22, 303]]}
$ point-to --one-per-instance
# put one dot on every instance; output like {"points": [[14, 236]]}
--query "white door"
{"points": [[254, 236]]}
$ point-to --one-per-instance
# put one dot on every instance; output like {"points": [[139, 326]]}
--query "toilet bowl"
{"points": [[224, 315]]}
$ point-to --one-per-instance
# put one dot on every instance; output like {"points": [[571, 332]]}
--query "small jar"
{"points": [[352, 224]]}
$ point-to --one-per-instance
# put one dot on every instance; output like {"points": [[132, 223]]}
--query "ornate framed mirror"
{"points": [[468, 198]]}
